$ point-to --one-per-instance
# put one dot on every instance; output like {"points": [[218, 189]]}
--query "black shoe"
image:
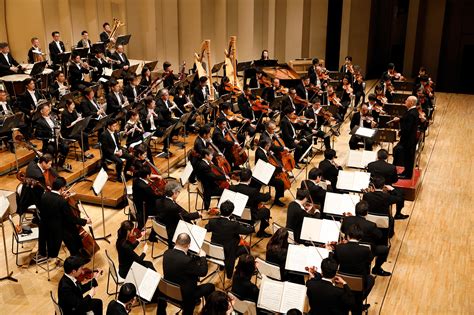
{"points": [[381, 272], [400, 216], [365, 307], [263, 234], [404, 176], [278, 203], [297, 166]]}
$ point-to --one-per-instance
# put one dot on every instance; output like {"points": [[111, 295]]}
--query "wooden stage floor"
{"points": [[431, 257]]}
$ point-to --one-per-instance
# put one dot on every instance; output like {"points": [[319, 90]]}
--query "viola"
{"points": [[232, 88], [87, 274], [135, 235], [260, 105], [334, 99], [157, 184]]}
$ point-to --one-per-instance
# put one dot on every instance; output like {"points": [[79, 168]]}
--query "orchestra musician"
{"points": [[255, 201], [405, 150], [265, 55], [241, 282], [313, 76], [184, 105], [119, 55], [330, 168], [111, 149], [201, 93], [99, 62], [347, 93], [37, 170], [290, 137], [277, 251], [169, 77], [69, 117], [358, 87], [347, 69], [208, 179], [56, 47], [226, 232], [380, 199], [47, 129], [425, 102], [6, 110], [297, 210], [387, 88], [382, 168], [131, 90], [105, 36], [325, 295], [371, 235], [29, 100], [185, 270], [35, 51], [362, 118], [170, 212], [271, 92], [219, 139], [392, 74], [77, 69], [164, 106], [134, 130], [115, 99], [316, 113], [145, 78], [8, 64], [127, 241], [89, 105], [71, 292], [58, 223], [126, 298], [59, 87], [355, 259], [202, 142], [143, 195], [334, 101], [316, 186], [85, 42]]}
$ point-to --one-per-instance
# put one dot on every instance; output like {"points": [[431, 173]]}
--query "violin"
{"points": [[266, 82], [378, 108], [300, 100], [239, 154], [135, 235], [282, 90], [295, 119], [260, 105], [231, 116], [88, 274], [348, 88], [232, 88], [157, 184], [334, 99], [381, 97]]}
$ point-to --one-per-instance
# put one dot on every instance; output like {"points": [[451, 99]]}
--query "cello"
{"points": [[220, 160], [238, 153], [287, 160], [283, 176]]}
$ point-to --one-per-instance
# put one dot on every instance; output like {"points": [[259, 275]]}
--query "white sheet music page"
{"points": [[145, 280], [340, 203], [311, 229], [267, 269], [365, 132], [355, 158], [320, 231], [186, 173], [329, 231], [353, 180], [263, 172], [239, 200], [299, 257], [270, 294], [197, 234], [294, 296], [100, 181]]}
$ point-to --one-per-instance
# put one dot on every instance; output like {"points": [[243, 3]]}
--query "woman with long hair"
{"points": [[242, 285]]}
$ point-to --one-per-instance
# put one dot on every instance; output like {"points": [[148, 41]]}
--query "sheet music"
{"points": [[353, 181], [100, 181], [300, 256], [239, 200], [186, 173], [340, 203], [266, 269], [270, 295], [365, 132], [145, 280], [360, 159], [198, 234], [263, 171], [108, 72], [4, 205], [320, 231], [294, 296]]}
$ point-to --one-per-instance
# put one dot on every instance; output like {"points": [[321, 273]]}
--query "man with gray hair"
{"points": [[404, 151], [170, 212], [185, 270]]}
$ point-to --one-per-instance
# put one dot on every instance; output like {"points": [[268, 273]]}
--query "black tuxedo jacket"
{"points": [[127, 256], [355, 121], [287, 133], [372, 234], [107, 143], [327, 299], [330, 172], [31, 195], [313, 76], [70, 296], [88, 109], [100, 65], [294, 219], [55, 210], [409, 127], [384, 169], [5, 65], [164, 113], [142, 193], [27, 103], [80, 44], [184, 270], [309, 113], [169, 213], [206, 176], [67, 119], [245, 108], [273, 147], [318, 194], [123, 63], [200, 145], [199, 98], [353, 258], [104, 37], [128, 93], [268, 94], [31, 54], [42, 129], [220, 141], [227, 233], [54, 51], [114, 308], [113, 105], [255, 196], [379, 202], [75, 75]]}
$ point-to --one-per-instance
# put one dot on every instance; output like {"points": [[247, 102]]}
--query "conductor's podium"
{"points": [[410, 186]]}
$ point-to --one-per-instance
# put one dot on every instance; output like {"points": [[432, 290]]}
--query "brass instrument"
{"points": [[38, 56], [117, 24]]}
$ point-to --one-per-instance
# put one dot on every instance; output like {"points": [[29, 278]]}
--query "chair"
{"points": [[291, 234], [215, 255], [132, 209], [161, 235], [171, 293], [355, 282], [115, 276], [57, 308], [268, 269], [200, 192], [21, 239], [382, 221], [247, 216], [31, 209], [72, 143], [243, 306]]}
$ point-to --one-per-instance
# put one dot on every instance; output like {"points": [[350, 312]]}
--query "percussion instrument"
{"points": [[14, 83]]}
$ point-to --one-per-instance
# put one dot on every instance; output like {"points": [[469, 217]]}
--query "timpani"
{"points": [[14, 83]]}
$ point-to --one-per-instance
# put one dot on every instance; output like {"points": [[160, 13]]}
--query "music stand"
{"points": [[123, 40], [116, 74], [9, 123], [38, 68], [63, 59], [97, 187], [98, 48], [242, 66], [265, 63], [217, 67], [182, 122], [78, 130], [151, 65], [363, 133], [133, 69], [166, 137], [83, 51], [4, 205], [308, 161], [184, 179]]}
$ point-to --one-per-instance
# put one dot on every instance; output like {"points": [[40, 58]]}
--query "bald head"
{"points": [[183, 240], [411, 101]]}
